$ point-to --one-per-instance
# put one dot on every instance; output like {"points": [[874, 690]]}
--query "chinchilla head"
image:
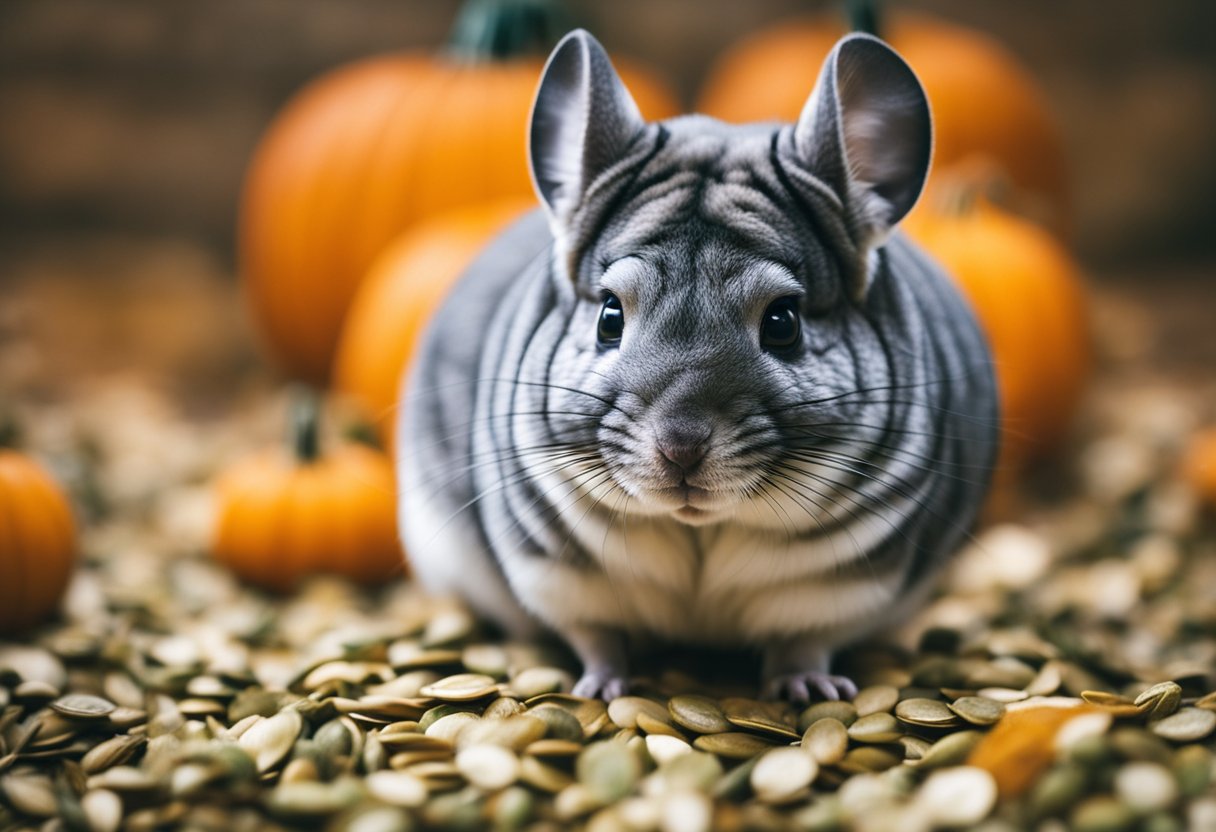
{"points": [[717, 281]]}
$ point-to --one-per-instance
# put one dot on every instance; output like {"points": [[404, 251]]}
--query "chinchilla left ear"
{"points": [[866, 132], [583, 119]]}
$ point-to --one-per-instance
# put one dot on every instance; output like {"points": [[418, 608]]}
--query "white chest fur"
{"points": [[726, 583]]}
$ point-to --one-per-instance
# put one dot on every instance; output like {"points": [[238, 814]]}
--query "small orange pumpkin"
{"points": [[37, 542], [402, 290], [369, 149], [285, 515], [1030, 300], [984, 101], [1199, 465]]}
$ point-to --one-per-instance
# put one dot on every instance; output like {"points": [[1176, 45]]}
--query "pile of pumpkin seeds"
{"points": [[170, 696]]}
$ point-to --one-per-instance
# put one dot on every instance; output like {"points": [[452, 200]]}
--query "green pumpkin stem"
{"points": [[305, 425], [864, 16], [498, 30]]}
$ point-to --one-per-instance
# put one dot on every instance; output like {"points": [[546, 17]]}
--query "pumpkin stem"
{"points": [[10, 434], [497, 30], [864, 16], [305, 425]]}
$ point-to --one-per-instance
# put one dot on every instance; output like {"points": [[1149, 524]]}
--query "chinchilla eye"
{"points": [[612, 321], [781, 328]]}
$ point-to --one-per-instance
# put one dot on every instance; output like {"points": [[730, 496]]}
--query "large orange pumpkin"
{"points": [[1029, 297], [402, 290], [286, 514], [984, 102], [366, 151], [37, 542]]}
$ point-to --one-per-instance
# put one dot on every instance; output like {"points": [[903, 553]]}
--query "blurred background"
{"points": [[127, 126]]}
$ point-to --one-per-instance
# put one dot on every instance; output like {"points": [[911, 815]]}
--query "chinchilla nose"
{"points": [[683, 444]]}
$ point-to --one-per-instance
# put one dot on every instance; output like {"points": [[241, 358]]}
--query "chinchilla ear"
{"points": [[583, 119], [866, 131]]}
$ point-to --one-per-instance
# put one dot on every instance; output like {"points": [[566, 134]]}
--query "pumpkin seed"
{"points": [[925, 712], [624, 710], [608, 770], [657, 725], [1102, 814], [83, 706], [879, 727], [843, 712], [950, 750], [514, 732], [1160, 700], [30, 794], [1057, 790], [977, 710], [270, 741], [960, 796], [103, 809], [875, 699], [1187, 725], [543, 776], [826, 741], [770, 718], [486, 659], [535, 681], [112, 752], [733, 745], [1146, 787], [698, 713], [489, 767], [664, 748], [782, 775], [560, 723], [463, 687]]}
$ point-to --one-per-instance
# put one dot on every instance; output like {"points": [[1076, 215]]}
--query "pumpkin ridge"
{"points": [[388, 203], [43, 594]]}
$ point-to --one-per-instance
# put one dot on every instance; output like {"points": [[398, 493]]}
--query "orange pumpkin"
{"points": [[984, 102], [1029, 298], [366, 151], [285, 515], [1199, 465], [37, 542], [402, 290]]}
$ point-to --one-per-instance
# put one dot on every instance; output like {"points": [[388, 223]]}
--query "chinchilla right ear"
{"points": [[583, 120], [866, 132]]}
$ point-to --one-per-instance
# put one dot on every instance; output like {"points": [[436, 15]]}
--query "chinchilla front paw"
{"points": [[604, 685], [799, 687]]}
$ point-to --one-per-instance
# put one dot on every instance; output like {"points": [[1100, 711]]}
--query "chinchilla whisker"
{"points": [[862, 495], [462, 428], [924, 463], [884, 388], [854, 497], [553, 452], [890, 430], [503, 482], [797, 490]]}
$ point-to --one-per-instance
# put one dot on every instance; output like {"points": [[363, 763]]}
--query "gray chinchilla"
{"points": [[706, 395]]}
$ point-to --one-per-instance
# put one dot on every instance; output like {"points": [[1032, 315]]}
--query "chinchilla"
{"points": [[706, 395]]}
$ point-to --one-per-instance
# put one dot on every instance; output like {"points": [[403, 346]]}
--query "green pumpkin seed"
{"points": [[880, 727], [826, 741], [925, 712], [782, 775], [698, 713], [843, 712], [875, 699], [733, 745], [977, 710]]}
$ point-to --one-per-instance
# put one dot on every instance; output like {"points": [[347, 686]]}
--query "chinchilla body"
{"points": [[708, 394]]}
